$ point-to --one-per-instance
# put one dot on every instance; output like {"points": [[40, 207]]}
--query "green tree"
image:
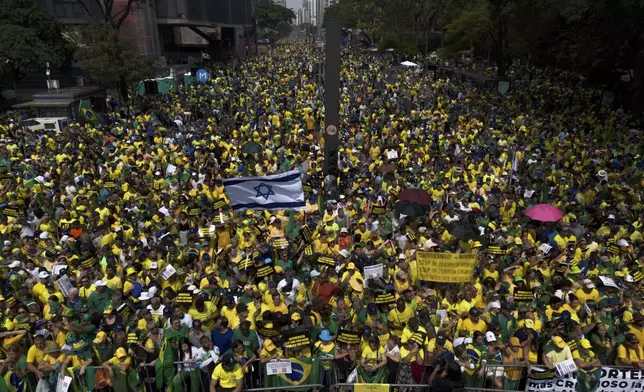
{"points": [[30, 38], [270, 15], [108, 58], [101, 50]]}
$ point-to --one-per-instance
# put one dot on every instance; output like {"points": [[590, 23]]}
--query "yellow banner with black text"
{"points": [[445, 267]]}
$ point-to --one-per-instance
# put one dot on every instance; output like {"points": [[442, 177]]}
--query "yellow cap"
{"points": [[100, 337], [121, 353], [585, 343], [558, 341]]}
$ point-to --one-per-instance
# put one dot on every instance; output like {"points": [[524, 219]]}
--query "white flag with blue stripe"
{"points": [[276, 192]]}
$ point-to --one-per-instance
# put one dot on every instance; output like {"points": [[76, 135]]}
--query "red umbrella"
{"points": [[417, 196], [544, 213]]}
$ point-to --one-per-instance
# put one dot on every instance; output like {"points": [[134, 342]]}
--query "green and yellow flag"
{"points": [[85, 110], [304, 371]]}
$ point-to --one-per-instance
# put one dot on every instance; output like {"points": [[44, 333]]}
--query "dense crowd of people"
{"points": [[122, 263]]}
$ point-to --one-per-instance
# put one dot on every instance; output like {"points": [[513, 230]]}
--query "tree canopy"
{"points": [[30, 38], [270, 15], [103, 53]]}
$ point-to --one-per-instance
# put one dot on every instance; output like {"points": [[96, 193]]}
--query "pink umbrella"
{"points": [[544, 213]]}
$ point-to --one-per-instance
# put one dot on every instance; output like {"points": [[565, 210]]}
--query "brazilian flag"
{"points": [[88, 113], [304, 371]]}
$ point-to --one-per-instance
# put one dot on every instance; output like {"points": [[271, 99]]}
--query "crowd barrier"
{"points": [[491, 377]]}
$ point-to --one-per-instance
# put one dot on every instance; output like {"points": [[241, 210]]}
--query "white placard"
{"points": [[373, 271], [168, 272], [64, 284], [566, 367], [442, 313], [608, 281], [392, 154], [278, 366], [545, 248], [63, 383], [170, 170]]}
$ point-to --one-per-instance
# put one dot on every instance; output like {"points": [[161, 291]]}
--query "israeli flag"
{"points": [[276, 192]]}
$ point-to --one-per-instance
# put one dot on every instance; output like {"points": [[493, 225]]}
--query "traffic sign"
{"points": [[202, 75], [331, 130]]}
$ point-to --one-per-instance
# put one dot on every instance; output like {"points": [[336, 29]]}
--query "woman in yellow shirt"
{"points": [[373, 363]]}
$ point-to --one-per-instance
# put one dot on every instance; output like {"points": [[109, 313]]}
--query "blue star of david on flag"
{"points": [[281, 191], [264, 191]]}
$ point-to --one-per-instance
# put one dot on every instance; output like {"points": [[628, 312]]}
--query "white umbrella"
{"points": [[408, 64]]}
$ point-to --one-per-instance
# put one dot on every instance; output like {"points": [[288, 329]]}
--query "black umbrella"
{"points": [[409, 208], [462, 230], [252, 148]]}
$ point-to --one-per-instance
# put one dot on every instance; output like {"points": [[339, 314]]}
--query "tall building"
{"points": [[314, 11]]}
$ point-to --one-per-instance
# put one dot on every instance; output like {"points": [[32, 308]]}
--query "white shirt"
{"points": [[289, 296], [208, 357], [158, 312], [186, 321]]}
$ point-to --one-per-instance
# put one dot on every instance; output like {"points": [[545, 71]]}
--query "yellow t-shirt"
{"points": [[34, 355], [114, 361], [404, 352], [634, 355], [372, 357], [228, 379], [52, 361], [115, 283], [208, 312], [470, 327]]}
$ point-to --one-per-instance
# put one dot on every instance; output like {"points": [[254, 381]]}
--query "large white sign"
{"points": [[610, 380], [278, 366], [373, 271]]}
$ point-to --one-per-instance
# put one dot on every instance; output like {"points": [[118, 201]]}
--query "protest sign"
{"points": [[348, 337], [296, 339], [278, 366], [606, 379], [373, 271], [445, 267]]}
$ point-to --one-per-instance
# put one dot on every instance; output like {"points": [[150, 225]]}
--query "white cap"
{"points": [[196, 291], [100, 283], [402, 256], [192, 287], [622, 242], [422, 229], [495, 305], [344, 230], [145, 296], [152, 290], [588, 283], [341, 197], [489, 336], [157, 173], [43, 275], [344, 253], [44, 235], [154, 265], [15, 264], [314, 274], [611, 216], [629, 279]]}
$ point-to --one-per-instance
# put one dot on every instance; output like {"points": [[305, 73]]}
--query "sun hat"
{"points": [[325, 336]]}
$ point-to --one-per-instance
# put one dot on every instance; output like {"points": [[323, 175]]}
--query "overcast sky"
{"points": [[294, 4]]}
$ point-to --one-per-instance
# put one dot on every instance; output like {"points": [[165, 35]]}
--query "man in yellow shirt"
{"points": [[39, 290], [113, 282], [228, 375], [587, 291], [36, 355], [472, 323], [630, 353], [398, 317]]}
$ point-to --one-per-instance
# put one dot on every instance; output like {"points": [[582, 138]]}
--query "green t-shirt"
{"points": [[251, 341]]}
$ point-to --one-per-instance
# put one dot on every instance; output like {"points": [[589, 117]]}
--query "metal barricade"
{"points": [[497, 377]]}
